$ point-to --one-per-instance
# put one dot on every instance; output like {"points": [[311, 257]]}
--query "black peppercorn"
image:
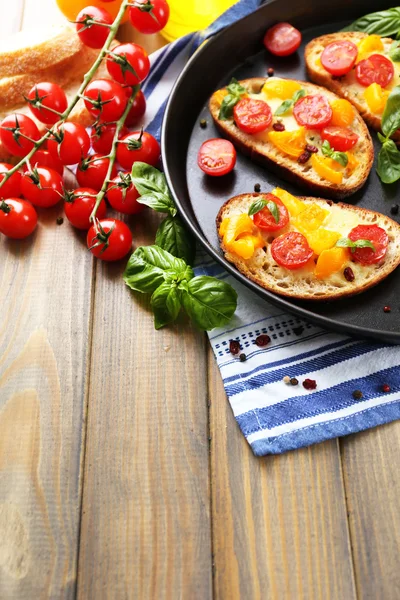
{"points": [[203, 123], [294, 381], [270, 72], [60, 220], [394, 210], [357, 394], [242, 357], [257, 187]]}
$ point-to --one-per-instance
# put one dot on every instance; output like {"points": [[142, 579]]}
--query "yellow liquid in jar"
{"points": [[187, 16]]}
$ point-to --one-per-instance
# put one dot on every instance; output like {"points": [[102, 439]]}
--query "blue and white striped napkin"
{"points": [[274, 416]]}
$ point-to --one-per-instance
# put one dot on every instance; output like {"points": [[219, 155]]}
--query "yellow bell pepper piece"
{"points": [[291, 143], [368, 45], [342, 113], [280, 88], [352, 164], [219, 96], [318, 63], [293, 204], [243, 247], [326, 168], [331, 261], [223, 226], [310, 219], [376, 98], [237, 224], [322, 239]]}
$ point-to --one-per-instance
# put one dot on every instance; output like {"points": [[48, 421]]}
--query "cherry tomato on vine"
{"points": [[105, 99], [44, 96], [18, 218], [42, 186], [70, 143], [92, 171], [149, 16], [138, 108], [12, 187], [338, 58], [216, 157], [138, 146], [128, 64], [43, 158], [14, 130], [78, 207], [93, 35], [282, 39], [71, 8], [109, 239], [102, 137], [122, 195]]}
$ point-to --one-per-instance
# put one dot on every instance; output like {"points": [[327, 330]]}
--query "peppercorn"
{"points": [[203, 123], [234, 347], [262, 340], [385, 388], [303, 158], [298, 330], [243, 357], [286, 379], [278, 127], [60, 220], [394, 209], [386, 309], [309, 384], [257, 187], [348, 274], [294, 381], [270, 72], [311, 148], [357, 394]]}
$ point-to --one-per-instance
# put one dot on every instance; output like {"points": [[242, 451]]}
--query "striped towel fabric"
{"points": [[274, 416]]}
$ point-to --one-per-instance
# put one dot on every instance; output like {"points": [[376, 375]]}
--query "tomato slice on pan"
{"points": [[376, 235], [340, 138], [252, 116], [338, 58], [282, 39], [216, 157], [375, 69], [265, 220], [291, 250], [313, 112]]}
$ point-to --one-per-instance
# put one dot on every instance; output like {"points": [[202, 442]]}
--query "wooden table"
{"points": [[123, 474]]}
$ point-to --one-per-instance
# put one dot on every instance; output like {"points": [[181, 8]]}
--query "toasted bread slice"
{"points": [[264, 152], [346, 86], [302, 283]]}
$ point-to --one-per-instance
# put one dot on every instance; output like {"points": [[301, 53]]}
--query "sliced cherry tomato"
{"points": [[43, 158], [44, 96], [137, 110], [338, 58], [78, 207], [105, 99], [216, 157], [92, 35], [291, 250], [282, 39], [109, 239], [340, 138], [376, 235], [128, 64], [375, 69], [313, 112], [92, 171], [149, 16], [69, 144], [42, 186], [138, 146], [265, 220], [103, 135], [13, 130], [12, 187], [122, 195], [252, 116], [18, 218]]}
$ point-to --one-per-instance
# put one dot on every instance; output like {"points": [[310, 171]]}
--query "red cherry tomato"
{"points": [[92, 171], [105, 99], [122, 195], [12, 187], [151, 21], [43, 186], [12, 131], [340, 138], [313, 112], [216, 157], [137, 110], [93, 36], [291, 250], [103, 135], [18, 218], [282, 39], [69, 144], [264, 219], [376, 235], [252, 116], [109, 239], [128, 64], [375, 69], [138, 146], [43, 158], [44, 96], [338, 58], [78, 207]]}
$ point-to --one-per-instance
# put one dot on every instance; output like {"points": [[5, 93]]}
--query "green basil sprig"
{"points": [[384, 22], [152, 187], [209, 302], [260, 203], [394, 51], [173, 237], [388, 167], [235, 92], [287, 104], [340, 157], [347, 243]]}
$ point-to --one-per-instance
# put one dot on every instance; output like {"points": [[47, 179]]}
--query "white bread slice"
{"points": [[301, 283], [267, 154], [347, 86]]}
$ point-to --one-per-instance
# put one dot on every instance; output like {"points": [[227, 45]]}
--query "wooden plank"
{"points": [[146, 523], [371, 476], [279, 522]]}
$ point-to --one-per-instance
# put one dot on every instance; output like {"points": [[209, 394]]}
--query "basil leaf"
{"points": [[384, 22], [152, 187], [381, 138], [326, 148], [339, 157], [347, 243], [174, 238], [158, 202], [209, 302], [388, 167], [283, 108], [235, 87], [394, 51], [391, 114], [256, 206], [298, 94], [235, 93], [165, 304], [274, 210]]}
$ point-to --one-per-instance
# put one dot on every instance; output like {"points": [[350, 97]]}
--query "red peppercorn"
{"points": [[385, 388], [278, 127], [348, 274], [303, 158], [386, 309], [309, 384], [234, 347], [270, 72], [262, 340], [311, 148]]}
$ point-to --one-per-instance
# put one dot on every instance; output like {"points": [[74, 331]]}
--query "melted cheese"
{"points": [[340, 220]]}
